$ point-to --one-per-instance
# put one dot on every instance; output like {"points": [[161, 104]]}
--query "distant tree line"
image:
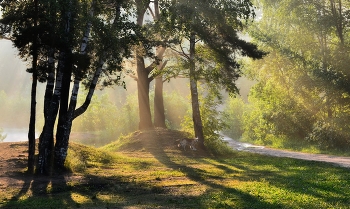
{"points": [[302, 91]]}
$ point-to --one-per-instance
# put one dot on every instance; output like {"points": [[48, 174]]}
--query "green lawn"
{"points": [[174, 179]]}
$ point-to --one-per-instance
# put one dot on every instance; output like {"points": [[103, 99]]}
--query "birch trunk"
{"points": [[66, 120], [46, 140], [79, 111], [46, 137]]}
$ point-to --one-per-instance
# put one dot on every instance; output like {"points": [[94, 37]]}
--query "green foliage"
{"points": [[106, 119], [213, 124], [301, 95], [233, 116], [329, 136], [176, 107]]}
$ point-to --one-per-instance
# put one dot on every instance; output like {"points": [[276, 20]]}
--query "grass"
{"points": [[170, 178], [299, 146]]}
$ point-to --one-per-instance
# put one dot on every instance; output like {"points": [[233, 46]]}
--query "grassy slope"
{"points": [[147, 170]]}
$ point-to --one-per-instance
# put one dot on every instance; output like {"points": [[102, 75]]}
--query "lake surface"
{"points": [[16, 135]]}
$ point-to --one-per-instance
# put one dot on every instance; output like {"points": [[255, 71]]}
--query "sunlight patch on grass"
{"points": [[110, 198], [81, 199]]}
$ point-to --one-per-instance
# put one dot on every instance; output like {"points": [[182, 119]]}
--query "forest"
{"points": [[93, 43], [296, 54], [175, 104]]}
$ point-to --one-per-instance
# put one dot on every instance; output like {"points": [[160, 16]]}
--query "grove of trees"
{"points": [[71, 43]]}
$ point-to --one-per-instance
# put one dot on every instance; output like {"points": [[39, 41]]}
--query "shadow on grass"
{"points": [[217, 195], [94, 190], [314, 181], [40, 192]]}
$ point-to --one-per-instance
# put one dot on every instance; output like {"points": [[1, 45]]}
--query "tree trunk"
{"points": [[159, 115], [196, 116], [66, 119], [143, 81], [60, 145], [159, 112], [62, 141], [143, 96], [46, 137], [31, 132]]}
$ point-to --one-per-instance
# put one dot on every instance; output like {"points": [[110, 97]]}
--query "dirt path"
{"points": [[339, 161]]}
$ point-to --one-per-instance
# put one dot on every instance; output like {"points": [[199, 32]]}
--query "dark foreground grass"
{"points": [[176, 179]]}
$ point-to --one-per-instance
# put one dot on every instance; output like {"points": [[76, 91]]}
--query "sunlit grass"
{"points": [[171, 180]]}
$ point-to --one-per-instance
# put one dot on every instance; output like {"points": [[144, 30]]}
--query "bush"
{"points": [[327, 136]]}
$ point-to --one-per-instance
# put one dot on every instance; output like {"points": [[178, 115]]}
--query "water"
{"points": [[16, 135]]}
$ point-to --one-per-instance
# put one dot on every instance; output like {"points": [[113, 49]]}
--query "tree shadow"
{"points": [[240, 199]]}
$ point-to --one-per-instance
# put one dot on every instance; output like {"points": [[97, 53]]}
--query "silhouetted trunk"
{"points": [[62, 137], [31, 132], [60, 150], [197, 121], [46, 137], [66, 119], [159, 114], [45, 159]]}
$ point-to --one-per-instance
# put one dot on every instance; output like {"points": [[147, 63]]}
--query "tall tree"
{"points": [[31, 132], [61, 25], [26, 36], [216, 25], [144, 73]]}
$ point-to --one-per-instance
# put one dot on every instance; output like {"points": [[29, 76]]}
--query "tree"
{"points": [[144, 74], [215, 24], [60, 25], [26, 37]]}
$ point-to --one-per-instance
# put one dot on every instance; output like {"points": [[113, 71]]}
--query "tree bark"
{"points": [[196, 116], [62, 141], [31, 132], [143, 82], [159, 113], [46, 137], [45, 159], [66, 119]]}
